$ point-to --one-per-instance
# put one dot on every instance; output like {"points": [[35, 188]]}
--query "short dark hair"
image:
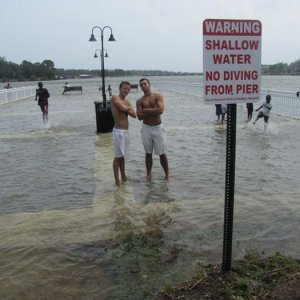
{"points": [[268, 97], [123, 83], [142, 79]]}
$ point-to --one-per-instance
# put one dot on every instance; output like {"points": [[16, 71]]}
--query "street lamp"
{"points": [[106, 54], [111, 39], [104, 118], [96, 56]]}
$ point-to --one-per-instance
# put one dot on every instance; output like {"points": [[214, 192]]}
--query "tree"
{"points": [[280, 68], [295, 67], [8, 70], [27, 69], [47, 68]]}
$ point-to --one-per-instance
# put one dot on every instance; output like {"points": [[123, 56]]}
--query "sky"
{"points": [[150, 34]]}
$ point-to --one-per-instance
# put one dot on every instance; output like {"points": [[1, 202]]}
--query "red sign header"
{"points": [[232, 27]]}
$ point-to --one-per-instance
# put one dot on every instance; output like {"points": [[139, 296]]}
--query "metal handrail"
{"points": [[15, 94], [284, 103]]}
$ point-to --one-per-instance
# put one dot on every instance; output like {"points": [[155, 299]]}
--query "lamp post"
{"points": [[111, 39], [96, 56], [104, 118]]}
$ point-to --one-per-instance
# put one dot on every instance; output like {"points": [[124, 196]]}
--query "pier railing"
{"points": [[284, 103], [15, 94]]}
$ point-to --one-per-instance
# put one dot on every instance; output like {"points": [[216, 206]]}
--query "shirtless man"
{"points": [[149, 109], [121, 108]]}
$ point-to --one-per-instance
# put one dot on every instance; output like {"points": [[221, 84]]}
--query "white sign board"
{"points": [[231, 61]]}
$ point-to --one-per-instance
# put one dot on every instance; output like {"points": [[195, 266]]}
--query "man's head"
{"points": [[40, 84], [268, 98], [124, 88], [144, 84], [123, 83]]}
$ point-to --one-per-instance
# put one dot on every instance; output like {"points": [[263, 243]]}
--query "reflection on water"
{"points": [[68, 231]]}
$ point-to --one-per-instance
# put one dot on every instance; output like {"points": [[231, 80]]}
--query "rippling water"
{"points": [[68, 233]]}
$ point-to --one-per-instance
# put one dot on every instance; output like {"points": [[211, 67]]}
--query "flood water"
{"points": [[67, 232]]}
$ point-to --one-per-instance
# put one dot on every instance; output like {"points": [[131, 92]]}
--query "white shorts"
{"points": [[154, 137], [121, 142]]}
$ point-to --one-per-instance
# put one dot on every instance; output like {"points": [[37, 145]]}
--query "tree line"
{"points": [[46, 70], [28, 71], [282, 69]]}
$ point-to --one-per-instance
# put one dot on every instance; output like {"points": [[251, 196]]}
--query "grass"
{"points": [[253, 277]]}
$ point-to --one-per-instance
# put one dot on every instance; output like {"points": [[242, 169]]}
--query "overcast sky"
{"points": [[150, 34]]}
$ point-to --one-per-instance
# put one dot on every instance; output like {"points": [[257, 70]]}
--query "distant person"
{"points": [[218, 111], [249, 111], [65, 88], [42, 96], [121, 108], [109, 89], [264, 110], [8, 86], [149, 108], [221, 110], [224, 112]]}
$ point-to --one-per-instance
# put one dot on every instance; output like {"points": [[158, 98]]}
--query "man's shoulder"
{"points": [[114, 98], [158, 96]]}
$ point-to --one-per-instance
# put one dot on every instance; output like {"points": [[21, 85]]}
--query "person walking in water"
{"points": [[149, 109], [264, 110], [249, 111], [42, 96], [121, 109]]}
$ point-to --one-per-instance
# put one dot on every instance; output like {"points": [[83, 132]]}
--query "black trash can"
{"points": [[104, 119]]}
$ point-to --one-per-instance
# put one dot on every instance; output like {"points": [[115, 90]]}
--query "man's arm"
{"points": [[123, 106], [36, 94], [131, 111], [259, 108], [268, 107], [158, 109], [139, 110]]}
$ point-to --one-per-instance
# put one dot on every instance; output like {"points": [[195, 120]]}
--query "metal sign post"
{"points": [[229, 186]]}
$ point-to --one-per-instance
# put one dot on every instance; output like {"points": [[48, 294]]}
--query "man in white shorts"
{"points": [[121, 108], [149, 108]]}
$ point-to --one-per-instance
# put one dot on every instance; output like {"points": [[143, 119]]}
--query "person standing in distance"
{"points": [[109, 89], [121, 108], [149, 109], [42, 96], [249, 111]]}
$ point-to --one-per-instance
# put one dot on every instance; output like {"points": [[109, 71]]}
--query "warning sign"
{"points": [[231, 61]]}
